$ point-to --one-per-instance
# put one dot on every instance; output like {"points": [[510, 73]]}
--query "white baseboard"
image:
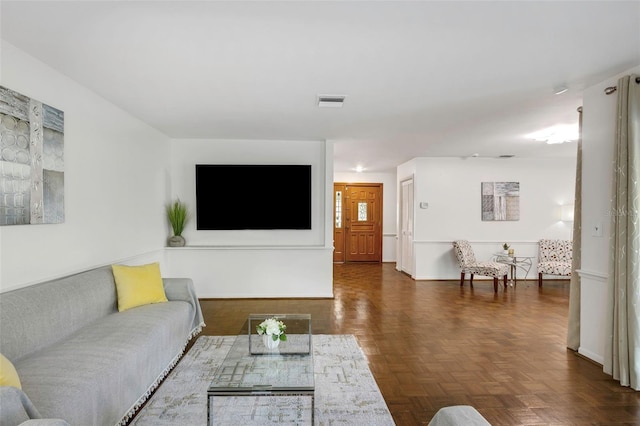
{"points": [[591, 355]]}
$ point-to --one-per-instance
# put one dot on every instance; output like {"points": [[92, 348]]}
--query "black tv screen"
{"points": [[232, 196]]}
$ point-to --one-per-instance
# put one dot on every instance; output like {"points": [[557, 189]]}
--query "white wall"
{"points": [[186, 153], [451, 186], [250, 263], [255, 272], [389, 206], [115, 183], [598, 140]]}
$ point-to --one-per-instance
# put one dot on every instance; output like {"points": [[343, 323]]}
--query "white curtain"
{"points": [[573, 329], [622, 342]]}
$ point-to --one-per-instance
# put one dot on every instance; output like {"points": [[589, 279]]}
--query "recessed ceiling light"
{"points": [[560, 90], [331, 101], [359, 169]]}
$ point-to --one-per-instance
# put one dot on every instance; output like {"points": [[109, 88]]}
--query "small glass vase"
{"points": [[269, 342]]}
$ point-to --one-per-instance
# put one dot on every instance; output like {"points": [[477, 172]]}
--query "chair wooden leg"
{"points": [[505, 281], [471, 281], [461, 278], [540, 279], [495, 284]]}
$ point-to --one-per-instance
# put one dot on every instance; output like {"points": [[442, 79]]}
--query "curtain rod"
{"points": [[609, 90]]}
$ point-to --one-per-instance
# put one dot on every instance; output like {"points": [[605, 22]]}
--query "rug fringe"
{"points": [[140, 402]]}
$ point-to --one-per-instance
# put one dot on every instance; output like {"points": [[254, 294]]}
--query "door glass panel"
{"points": [[362, 212], [338, 209]]}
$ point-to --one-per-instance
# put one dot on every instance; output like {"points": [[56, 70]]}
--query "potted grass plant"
{"points": [[178, 215]]}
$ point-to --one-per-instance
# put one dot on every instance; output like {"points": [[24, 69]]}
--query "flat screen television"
{"points": [[246, 196]]}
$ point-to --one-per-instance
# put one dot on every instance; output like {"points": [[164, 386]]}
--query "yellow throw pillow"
{"points": [[8, 373], [138, 285]]}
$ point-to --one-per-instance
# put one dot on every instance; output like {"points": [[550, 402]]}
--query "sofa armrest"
{"points": [[182, 289], [17, 409], [179, 289]]}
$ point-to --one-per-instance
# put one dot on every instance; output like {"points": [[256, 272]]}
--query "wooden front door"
{"points": [[357, 222]]}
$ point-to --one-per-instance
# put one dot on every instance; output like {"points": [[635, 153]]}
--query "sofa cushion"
{"points": [[138, 285], [555, 268], [99, 373], [488, 269], [8, 373]]}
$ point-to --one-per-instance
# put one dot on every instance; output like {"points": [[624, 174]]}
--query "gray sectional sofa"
{"points": [[81, 361]]}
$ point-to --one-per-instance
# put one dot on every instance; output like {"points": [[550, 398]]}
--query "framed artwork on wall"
{"points": [[500, 201], [31, 161]]}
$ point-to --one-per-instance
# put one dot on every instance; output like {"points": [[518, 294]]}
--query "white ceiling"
{"points": [[422, 78]]}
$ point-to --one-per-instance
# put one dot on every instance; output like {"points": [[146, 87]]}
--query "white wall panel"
{"points": [[186, 153], [254, 272], [451, 187], [256, 263], [115, 183], [593, 310], [436, 260]]}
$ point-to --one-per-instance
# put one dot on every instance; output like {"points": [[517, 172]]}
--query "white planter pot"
{"points": [[177, 241], [269, 342]]}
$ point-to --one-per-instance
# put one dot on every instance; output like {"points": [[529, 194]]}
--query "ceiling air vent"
{"points": [[506, 156], [330, 101]]}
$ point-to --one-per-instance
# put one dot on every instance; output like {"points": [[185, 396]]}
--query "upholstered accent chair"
{"points": [[469, 264], [554, 258]]}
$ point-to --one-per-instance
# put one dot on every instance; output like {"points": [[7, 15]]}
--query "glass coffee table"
{"points": [[274, 373]]}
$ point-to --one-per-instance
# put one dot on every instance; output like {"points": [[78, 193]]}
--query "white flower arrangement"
{"points": [[272, 327]]}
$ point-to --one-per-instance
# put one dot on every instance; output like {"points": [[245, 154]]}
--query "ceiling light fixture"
{"points": [[560, 90], [557, 134], [331, 101], [359, 169]]}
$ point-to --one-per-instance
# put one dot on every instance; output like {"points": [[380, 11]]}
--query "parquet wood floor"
{"points": [[432, 344]]}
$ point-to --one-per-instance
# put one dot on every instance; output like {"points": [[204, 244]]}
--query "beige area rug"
{"points": [[346, 392]]}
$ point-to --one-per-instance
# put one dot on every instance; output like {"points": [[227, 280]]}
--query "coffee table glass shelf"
{"points": [[251, 369]]}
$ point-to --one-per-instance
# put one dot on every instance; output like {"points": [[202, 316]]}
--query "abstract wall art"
{"points": [[31, 161], [500, 201]]}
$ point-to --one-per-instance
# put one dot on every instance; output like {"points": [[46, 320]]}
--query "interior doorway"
{"points": [[406, 227], [357, 224]]}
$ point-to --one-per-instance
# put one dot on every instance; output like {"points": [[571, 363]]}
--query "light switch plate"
{"points": [[596, 230]]}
